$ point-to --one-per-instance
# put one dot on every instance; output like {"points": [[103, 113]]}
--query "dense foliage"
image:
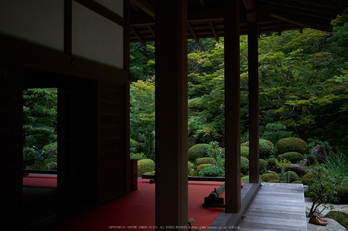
{"points": [[303, 88]]}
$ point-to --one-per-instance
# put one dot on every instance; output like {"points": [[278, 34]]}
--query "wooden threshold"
{"points": [[228, 221]]}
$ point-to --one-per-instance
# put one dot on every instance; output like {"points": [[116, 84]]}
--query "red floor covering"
{"points": [[137, 210], [40, 180]]}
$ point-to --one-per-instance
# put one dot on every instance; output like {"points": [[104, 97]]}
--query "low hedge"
{"points": [[202, 166], [293, 157], [205, 160], [307, 178], [212, 171], [270, 177]]}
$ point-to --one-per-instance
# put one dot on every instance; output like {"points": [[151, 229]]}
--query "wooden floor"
{"points": [[276, 207]]}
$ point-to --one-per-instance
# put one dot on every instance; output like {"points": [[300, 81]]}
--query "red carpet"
{"points": [[40, 180], [137, 210]]}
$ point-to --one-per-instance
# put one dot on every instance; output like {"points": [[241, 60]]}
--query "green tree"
{"points": [[142, 117], [40, 121]]}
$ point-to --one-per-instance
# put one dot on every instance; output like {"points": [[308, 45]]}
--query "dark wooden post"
{"points": [[232, 107], [253, 103], [171, 115]]}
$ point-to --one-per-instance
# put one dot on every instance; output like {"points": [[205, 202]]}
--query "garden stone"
{"points": [[320, 152]]}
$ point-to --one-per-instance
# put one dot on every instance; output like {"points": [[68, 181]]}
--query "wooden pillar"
{"points": [[11, 145], [232, 107], [171, 115], [126, 67], [253, 103]]}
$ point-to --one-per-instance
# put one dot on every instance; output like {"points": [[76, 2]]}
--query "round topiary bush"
{"points": [[307, 178], [272, 164], [244, 165], [293, 157], [202, 166], [244, 151], [270, 177], [293, 176], [266, 148], [213, 171], [198, 151], [291, 144], [205, 160], [262, 166], [145, 165]]}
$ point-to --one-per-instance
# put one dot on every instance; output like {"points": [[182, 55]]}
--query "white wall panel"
{"points": [[114, 5], [95, 37], [39, 21]]}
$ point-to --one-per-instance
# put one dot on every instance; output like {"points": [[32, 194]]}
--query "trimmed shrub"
{"points": [[202, 166], [145, 165], [308, 178], [244, 151], [291, 144], [198, 151], [245, 178], [193, 173], [339, 216], [342, 194], [190, 167], [262, 166], [205, 160], [272, 164], [266, 148], [293, 176], [270, 177], [50, 150], [212, 171], [293, 157], [149, 173], [297, 182], [244, 165]]}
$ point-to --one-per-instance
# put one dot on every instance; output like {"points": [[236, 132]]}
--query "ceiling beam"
{"points": [[145, 6], [193, 33], [291, 20], [213, 31], [305, 9], [137, 35], [151, 30]]}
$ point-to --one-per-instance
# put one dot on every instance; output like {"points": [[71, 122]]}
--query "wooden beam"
{"points": [[151, 30], [213, 31], [290, 20], [232, 106], [253, 66], [302, 4], [141, 40], [193, 33], [202, 3], [145, 6], [250, 10], [68, 27], [102, 10]]}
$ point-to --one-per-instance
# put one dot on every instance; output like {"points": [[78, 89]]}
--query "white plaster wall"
{"points": [[38, 21], [95, 37], [113, 5]]}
